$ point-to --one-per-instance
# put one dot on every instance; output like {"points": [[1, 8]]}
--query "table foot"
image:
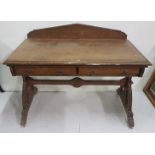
{"points": [[130, 119], [24, 118]]}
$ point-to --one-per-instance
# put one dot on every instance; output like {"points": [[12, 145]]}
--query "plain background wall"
{"points": [[141, 34]]}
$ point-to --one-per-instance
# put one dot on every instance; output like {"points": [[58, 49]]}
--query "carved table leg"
{"points": [[1, 89], [125, 93], [129, 103], [27, 96]]}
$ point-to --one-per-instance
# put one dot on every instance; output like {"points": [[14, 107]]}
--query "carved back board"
{"points": [[77, 31]]}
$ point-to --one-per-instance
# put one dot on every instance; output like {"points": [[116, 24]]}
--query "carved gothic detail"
{"points": [[77, 82], [125, 93]]}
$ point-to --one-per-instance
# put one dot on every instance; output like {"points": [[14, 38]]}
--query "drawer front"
{"points": [[45, 71], [108, 71]]}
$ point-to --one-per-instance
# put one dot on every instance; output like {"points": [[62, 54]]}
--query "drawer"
{"points": [[44, 71], [108, 71]]}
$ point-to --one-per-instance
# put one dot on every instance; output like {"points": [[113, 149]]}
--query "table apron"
{"points": [[29, 70]]}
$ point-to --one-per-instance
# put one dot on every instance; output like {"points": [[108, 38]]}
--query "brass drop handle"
{"points": [[124, 73], [60, 72], [92, 72], [30, 70]]}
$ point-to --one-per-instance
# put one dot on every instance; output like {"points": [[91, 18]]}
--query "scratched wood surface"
{"points": [[77, 44], [101, 52]]}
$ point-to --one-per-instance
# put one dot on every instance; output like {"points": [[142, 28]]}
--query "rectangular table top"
{"points": [[76, 52]]}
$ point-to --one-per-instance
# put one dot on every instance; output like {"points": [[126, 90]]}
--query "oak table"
{"points": [[77, 50]]}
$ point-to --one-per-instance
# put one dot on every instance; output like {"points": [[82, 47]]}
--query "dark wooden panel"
{"points": [[44, 71], [108, 71], [76, 70], [77, 31]]}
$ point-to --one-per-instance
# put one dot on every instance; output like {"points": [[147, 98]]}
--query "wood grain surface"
{"points": [[77, 31], [81, 52]]}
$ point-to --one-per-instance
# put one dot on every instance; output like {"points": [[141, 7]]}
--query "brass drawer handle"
{"points": [[29, 71], [92, 72], [124, 73], [60, 73]]}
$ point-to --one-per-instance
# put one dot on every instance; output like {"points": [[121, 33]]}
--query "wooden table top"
{"points": [[76, 52]]}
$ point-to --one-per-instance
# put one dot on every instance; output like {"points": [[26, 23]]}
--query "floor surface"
{"points": [[74, 112]]}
